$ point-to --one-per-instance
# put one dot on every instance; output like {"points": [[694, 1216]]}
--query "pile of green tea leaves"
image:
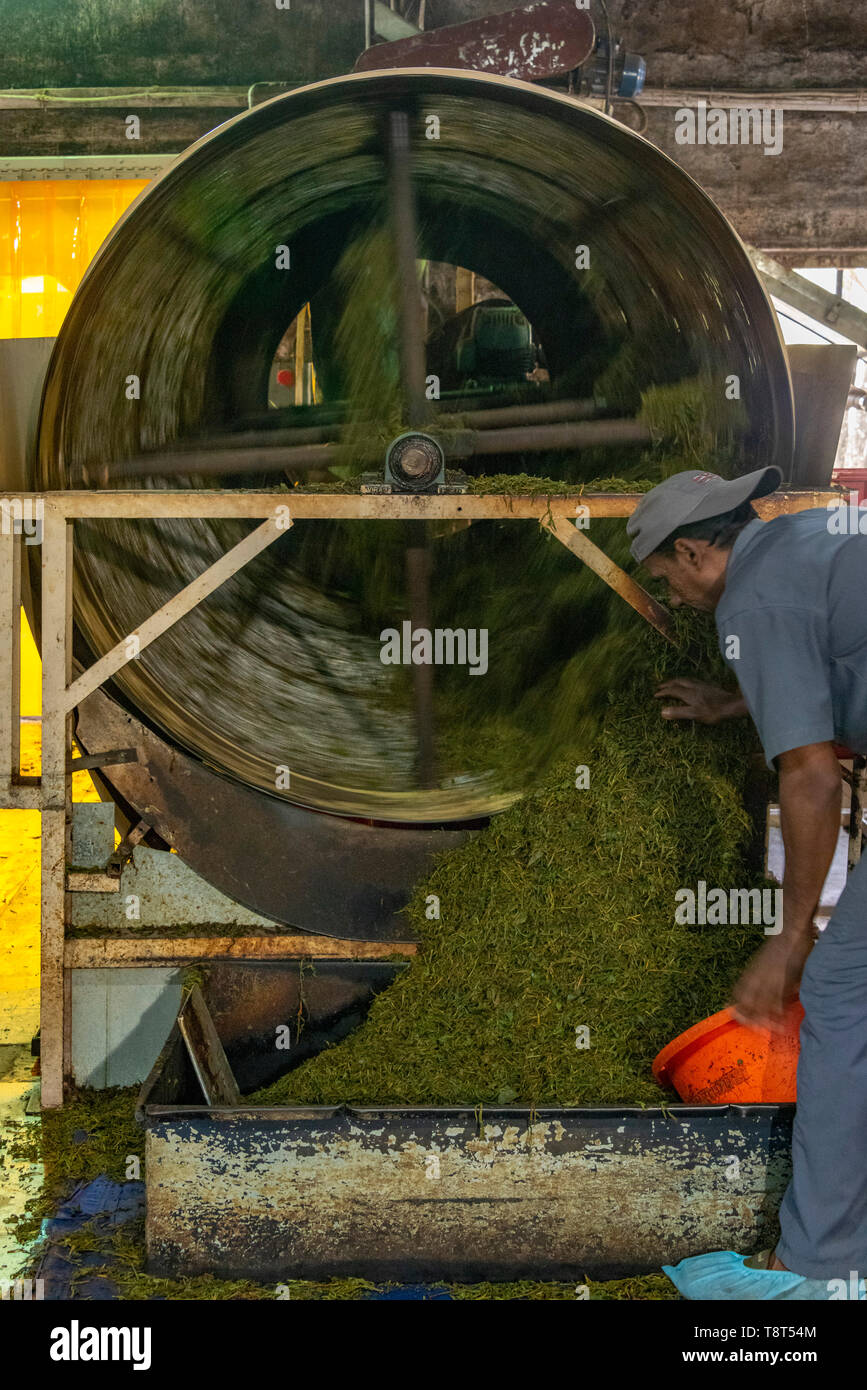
{"points": [[94, 1133], [560, 915]]}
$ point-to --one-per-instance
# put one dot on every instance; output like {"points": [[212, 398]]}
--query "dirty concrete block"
{"points": [[92, 834]]}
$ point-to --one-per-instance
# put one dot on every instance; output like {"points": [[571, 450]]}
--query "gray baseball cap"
{"points": [[692, 496]]}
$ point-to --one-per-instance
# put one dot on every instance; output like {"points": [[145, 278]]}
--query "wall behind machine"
{"points": [[49, 232]]}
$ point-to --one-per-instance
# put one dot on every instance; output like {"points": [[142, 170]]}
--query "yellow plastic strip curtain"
{"points": [[50, 229]]}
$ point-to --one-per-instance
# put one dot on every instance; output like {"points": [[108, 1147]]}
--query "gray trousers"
{"points": [[824, 1212]]}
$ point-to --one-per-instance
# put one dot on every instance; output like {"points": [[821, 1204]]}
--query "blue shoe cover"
{"points": [[723, 1274]]}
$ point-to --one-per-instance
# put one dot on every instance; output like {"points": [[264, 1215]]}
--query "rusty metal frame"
{"points": [[138, 949], [51, 794]]}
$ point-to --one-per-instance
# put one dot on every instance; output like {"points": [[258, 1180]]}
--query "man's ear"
{"points": [[689, 550]]}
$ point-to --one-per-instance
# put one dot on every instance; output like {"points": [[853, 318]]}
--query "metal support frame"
{"points": [[10, 659], [51, 794], [857, 790], [638, 598], [820, 305]]}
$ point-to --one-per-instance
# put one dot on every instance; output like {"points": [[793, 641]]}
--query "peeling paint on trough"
{"points": [[410, 1193]]}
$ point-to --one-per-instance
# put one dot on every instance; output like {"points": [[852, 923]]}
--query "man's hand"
{"points": [[770, 982], [707, 704]]}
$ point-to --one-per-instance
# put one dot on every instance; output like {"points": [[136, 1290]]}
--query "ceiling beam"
{"points": [[820, 99]]}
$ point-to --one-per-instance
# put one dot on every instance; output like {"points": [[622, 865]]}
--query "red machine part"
{"points": [[853, 480], [533, 42]]}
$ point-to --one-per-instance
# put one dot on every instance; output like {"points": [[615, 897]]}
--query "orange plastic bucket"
{"points": [[721, 1060]]}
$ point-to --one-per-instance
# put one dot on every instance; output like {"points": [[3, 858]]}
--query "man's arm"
{"points": [[810, 791]]}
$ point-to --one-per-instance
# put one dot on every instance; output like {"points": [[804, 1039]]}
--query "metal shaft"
{"points": [[418, 572], [412, 349]]}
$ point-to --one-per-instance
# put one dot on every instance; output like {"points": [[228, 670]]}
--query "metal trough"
{"points": [[411, 1193]]}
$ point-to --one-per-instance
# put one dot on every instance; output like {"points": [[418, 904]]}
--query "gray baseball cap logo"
{"points": [[692, 496]]}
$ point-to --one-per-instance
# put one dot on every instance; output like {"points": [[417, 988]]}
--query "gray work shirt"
{"points": [[794, 599]]}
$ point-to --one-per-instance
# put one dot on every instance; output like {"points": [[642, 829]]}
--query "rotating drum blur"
{"points": [[283, 665]]}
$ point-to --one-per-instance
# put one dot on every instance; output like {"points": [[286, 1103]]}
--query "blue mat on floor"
{"points": [[104, 1205]]}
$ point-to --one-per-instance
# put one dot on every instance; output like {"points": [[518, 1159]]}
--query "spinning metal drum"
{"points": [[282, 666]]}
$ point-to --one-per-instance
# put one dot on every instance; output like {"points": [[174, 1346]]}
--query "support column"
{"points": [[10, 658], [56, 743]]}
